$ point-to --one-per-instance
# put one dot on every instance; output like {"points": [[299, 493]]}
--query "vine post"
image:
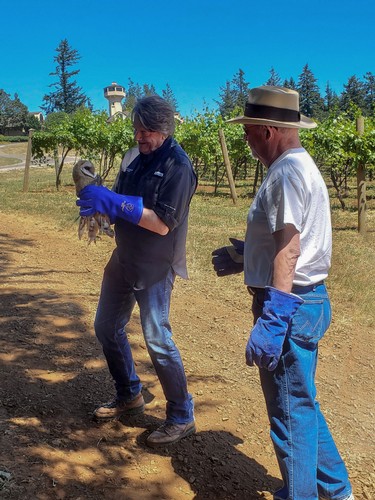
{"points": [[26, 175], [361, 184], [227, 165]]}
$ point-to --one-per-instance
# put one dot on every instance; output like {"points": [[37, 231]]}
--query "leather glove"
{"points": [[229, 260], [266, 340], [101, 199]]}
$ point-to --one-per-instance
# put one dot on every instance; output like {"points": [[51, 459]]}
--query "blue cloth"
{"points": [[266, 340], [100, 199], [116, 303], [309, 461]]}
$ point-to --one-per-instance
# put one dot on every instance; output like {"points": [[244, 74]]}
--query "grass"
{"points": [[212, 220], [9, 161], [15, 148]]}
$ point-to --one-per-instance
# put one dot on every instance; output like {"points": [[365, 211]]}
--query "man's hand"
{"points": [[265, 344], [100, 199], [229, 260]]}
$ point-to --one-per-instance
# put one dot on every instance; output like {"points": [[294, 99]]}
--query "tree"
{"points": [[88, 134], [290, 84], [134, 92], [5, 103], [200, 139], [311, 102], [353, 94], [148, 90], [13, 113], [227, 100], [335, 145], [169, 96], [234, 94], [32, 122], [331, 100], [370, 93], [274, 78], [240, 89], [67, 96]]}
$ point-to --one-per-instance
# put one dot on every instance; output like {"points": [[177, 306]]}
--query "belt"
{"points": [[253, 290], [299, 289]]}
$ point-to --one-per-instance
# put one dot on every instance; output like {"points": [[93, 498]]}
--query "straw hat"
{"points": [[274, 106]]}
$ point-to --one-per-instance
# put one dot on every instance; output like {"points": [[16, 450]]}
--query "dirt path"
{"points": [[53, 374], [20, 157]]}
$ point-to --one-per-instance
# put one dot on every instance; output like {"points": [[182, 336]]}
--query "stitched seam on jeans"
{"points": [[290, 440]]}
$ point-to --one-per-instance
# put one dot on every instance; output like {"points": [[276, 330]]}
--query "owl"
{"points": [[83, 175]]}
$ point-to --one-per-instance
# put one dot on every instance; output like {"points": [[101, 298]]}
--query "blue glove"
{"points": [[266, 340], [229, 260], [101, 199]]}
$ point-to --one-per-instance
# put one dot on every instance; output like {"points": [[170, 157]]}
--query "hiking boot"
{"points": [[170, 433], [116, 408]]}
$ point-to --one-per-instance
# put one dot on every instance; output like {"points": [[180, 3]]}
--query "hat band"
{"points": [[271, 113]]}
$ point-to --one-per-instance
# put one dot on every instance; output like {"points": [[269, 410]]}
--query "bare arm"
{"points": [[152, 222], [287, 245]]}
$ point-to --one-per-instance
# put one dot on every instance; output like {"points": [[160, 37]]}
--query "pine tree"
{"points": [[370, 93], [354, 93], [290, 84], [274, 78], [148, 90], [13, 113], [133, 93], [234, 94], [227, 102], [311, 102], [240, 89], [331, 100], [169, 96], [67, 96]]}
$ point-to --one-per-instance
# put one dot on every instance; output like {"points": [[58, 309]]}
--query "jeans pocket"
{"points": [[311, 321]]}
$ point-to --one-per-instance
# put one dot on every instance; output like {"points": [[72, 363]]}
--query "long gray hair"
{"points": [[154, 113]]}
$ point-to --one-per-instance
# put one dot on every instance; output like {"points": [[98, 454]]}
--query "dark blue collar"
{"points": [[155, 155]]}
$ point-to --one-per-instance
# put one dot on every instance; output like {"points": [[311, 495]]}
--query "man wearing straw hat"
{"points": [[287, 254]]}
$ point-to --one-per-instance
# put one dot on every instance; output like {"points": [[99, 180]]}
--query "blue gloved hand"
{"points": [[266, 340], [229, 260], [100, 199]]}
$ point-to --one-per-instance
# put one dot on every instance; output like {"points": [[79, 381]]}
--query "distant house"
{"points": [[9, 131], [38, 115], [178, 118], [19, 130]]}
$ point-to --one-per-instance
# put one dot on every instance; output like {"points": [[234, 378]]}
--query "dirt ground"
{"points": [[53, 375]]}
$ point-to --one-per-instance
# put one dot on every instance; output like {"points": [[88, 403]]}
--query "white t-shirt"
{"points": [[293, 192]]}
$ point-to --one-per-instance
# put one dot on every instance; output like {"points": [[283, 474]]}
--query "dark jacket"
{"points": [[166, 181]]}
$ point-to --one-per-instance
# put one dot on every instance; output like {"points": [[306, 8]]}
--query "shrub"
{"points": [[13, 138]]}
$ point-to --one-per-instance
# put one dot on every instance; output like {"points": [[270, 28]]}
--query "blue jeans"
{"points": [[116, 303], [309, 462]]}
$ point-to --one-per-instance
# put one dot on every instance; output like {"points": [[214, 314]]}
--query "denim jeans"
{"points": [[309, 462], [116, 303]]}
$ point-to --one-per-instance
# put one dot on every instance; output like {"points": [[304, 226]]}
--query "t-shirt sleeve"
{"points": [[284, 203]]}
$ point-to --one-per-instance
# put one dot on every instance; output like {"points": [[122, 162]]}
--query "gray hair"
{"points": [[154, 113]]}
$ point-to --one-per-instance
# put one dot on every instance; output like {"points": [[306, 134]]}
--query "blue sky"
{"points": [[194, 45]]}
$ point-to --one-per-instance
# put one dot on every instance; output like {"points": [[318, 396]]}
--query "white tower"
{"points": [[115, 94]]}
